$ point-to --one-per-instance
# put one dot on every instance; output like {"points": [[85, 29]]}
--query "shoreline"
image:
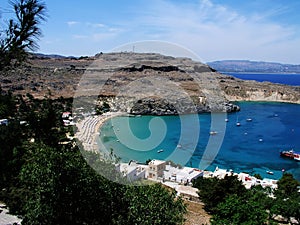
{"points": [[267, 151], [88, 129]]}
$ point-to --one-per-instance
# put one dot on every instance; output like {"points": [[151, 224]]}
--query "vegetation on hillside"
{"points": [[46, 182], [230, 202]]}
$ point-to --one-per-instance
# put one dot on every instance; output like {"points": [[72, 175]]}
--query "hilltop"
{"points": [[208, 89], [253, 66]]}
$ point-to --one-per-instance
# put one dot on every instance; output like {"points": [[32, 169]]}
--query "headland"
{"points": [[179, 85]]}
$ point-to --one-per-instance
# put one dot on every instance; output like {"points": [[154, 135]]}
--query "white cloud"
{"points": [[78, 36], [86, 24], [72, 23], [218, 32], [213, 31], [96, 25], [93, 32]]}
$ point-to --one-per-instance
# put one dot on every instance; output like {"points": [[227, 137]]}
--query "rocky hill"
{"points": [[141, 83], [253, 66]]}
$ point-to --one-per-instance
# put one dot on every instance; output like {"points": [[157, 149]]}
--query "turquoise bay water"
{"points": [[252, 147]]}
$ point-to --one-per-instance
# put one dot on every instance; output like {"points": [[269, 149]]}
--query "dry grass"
{"points": [[196, 215]]}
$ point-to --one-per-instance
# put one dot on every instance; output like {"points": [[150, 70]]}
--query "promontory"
{"points": [[141, 83]]}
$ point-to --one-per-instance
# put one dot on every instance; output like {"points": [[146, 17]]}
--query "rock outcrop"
{"points": [[241, 90]]}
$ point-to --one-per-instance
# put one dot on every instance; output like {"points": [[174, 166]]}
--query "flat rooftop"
{"points": [[156, 162]]}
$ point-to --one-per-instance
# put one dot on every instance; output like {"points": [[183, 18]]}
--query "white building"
{"points": [[66, 115], [269, 183], [247, 180], [220, 173], [6, 218], [4, 122], [156, 169], [67, 119], [182, 175], [132, 171]]}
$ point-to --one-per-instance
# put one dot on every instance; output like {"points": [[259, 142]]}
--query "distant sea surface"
{"points": [[290, 79], [254, 147]]}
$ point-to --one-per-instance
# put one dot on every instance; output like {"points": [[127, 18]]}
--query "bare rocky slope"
{"points": [[141, 83]]}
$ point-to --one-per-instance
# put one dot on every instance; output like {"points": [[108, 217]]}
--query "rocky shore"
{"points": [[160, 107]]}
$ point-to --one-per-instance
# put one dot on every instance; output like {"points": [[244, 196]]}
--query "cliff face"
{"points": [[141, 83]]}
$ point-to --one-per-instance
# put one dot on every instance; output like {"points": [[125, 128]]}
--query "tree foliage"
{"points": [[150, 205], [287, 202], [213, 191], [22, 32], [230, 203], [287, 186], [236, 210], [65, 190], [7, 105], [49, 183]]}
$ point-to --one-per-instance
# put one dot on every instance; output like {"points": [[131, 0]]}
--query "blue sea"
{"points": [[290, 79], [252, 147], [266, 129]]}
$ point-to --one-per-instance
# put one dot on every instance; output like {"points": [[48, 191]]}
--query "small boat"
{"points": [[226, 120], [248, 119], [213, 132], [290, 154], [159, 151], [179, 146], [260, 140], [269, 172], [237, 122]]}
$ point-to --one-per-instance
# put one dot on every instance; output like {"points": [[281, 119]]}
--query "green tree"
{"points": [[153, 204], [63, 189], [7, 104], [258, 176], [287, 202], [103, 108], [240, 211], [287, 208], [48, 183], [213, 191], [11, 139], [22, 32], [287, 186]]}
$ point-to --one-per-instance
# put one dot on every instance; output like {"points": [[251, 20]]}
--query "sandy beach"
{"points": [[88, 129]]}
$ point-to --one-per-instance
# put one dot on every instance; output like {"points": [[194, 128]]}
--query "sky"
{"points": [[260, 30]]}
